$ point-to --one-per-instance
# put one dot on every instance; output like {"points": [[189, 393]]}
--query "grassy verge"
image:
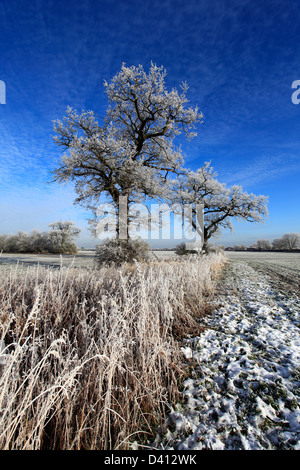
{"points": [[92, 358]]}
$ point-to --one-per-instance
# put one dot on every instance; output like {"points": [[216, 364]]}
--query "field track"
{"points": [[281, 269], [244, 391]]}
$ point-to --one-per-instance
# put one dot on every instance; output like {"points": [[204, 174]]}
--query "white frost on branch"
{"points": [[221, 204], [131, 153]]}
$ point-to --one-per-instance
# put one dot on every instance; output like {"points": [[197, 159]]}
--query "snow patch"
{"points": [[244, 393]]}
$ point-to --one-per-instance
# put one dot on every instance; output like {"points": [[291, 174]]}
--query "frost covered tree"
{"points": [[289, 241], [262, 245], [61, 238], [3, 239], [240, 247], [17, 243], [130, 153], [278, 244], [36, 242], [221, 204]]}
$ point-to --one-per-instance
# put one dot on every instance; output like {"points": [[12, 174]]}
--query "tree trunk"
{"points": [[123, 218]]}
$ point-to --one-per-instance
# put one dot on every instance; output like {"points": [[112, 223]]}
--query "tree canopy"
{"points": [[131, 152], [220, 204], [60, 240]]}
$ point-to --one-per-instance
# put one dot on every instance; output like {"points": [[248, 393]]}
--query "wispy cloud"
{"points": [[262, 170], [238, 58]]}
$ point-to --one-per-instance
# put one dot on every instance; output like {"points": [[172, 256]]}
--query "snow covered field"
{"points": [[84, 259], [243, 385], [243, 390]]}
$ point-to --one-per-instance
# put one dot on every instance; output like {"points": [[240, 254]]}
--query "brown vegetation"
{"points": [[92, 358]]}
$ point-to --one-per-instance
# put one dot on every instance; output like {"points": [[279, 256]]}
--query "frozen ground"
{"points": [[282, 269], [84, 259], [244, 385]]}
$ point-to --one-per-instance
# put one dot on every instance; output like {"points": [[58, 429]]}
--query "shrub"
{"points": [[59, 240], [210, 248], [181, 250], [116, 252]]}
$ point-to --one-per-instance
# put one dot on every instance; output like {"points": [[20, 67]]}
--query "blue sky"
{"points": [[239, 59]]}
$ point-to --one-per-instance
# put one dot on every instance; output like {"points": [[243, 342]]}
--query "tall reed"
{"points": [[92, 357]]}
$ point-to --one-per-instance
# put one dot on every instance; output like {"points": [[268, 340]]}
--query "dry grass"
{"points": [[92, 357]]}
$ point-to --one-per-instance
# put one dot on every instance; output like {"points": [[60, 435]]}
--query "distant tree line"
{"points": [[288, 242], [59, 240]]}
